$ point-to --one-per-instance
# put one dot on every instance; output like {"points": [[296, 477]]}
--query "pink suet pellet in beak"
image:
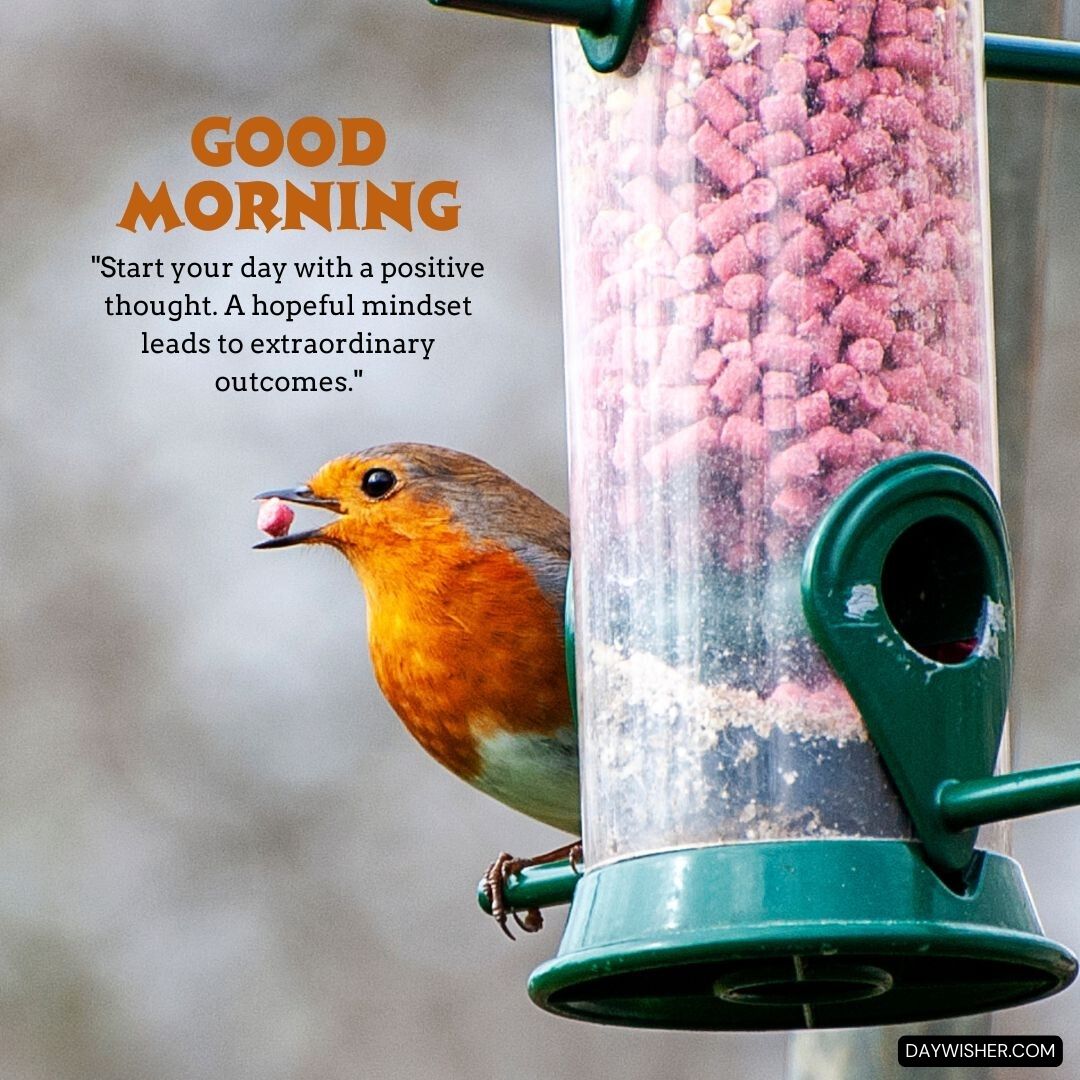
{"points": [[275, 517]]}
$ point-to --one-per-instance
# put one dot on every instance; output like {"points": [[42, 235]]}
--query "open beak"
{"points": [[305, 497]]}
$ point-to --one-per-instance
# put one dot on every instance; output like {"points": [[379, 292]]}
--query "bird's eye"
{"points": [[377, 482]]}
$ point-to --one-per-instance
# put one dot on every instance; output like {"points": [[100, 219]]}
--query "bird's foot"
{"points": [[504, 868], [576, 856]]}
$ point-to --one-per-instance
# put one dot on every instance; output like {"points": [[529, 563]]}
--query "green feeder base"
{"points": [[796, 934]]}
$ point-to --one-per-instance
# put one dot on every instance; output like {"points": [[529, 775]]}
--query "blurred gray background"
{"points": [[220, 854]]}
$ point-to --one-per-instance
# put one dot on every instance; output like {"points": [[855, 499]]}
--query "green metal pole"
{"points": [[964, 803], [1010, 56], [590, 14]]}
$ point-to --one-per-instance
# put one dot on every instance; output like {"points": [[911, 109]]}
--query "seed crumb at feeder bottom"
{"points": [[795, 764]]}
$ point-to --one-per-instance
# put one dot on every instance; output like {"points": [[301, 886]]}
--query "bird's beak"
{"points": [[305, 497]]}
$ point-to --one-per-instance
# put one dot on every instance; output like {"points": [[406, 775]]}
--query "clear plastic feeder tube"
{"points": [[775, 249]]}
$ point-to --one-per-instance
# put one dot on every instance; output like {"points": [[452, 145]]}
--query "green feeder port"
{"points": [[792, 609]]}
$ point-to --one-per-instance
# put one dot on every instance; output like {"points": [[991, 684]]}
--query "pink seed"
{"points": [[745, 81], [784, 112], [800, 297], [760, 196], [779, 351], [789, 76], [729, 324], [723, 220], [744, 291], [685, 445], [778, 384], [894, 113], [841, 219], [888, 80], [866, 448], [745, 438], [840, 382], [859, 318], [823, 16], [730, 167], [906, 385], [798, 462], [844, 269], [908, 55], [824, 168], [735, 384], [803, 250], [865, 355], [895, 423], [802, 43], [866, 147], [779, 148], [770, 46], [833, 447], [763, 240], [681, 120], [844, 54], [795, 506], [813, 412], [856, 19], [275, 518], [743, 135], [847, 92], [872, 395], [779, 415], [707, 365], [718, 105], [734, 258], [813, 202], [890, 18], [942, 105], [826, 129], [682, 234], [921, 24]]}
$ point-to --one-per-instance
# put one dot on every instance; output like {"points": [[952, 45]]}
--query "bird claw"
{"points": [[576, 856], [532, 922], [504, 868], [498, 873]]}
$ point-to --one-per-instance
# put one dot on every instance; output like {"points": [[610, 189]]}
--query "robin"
{"points": [[464, 573]]}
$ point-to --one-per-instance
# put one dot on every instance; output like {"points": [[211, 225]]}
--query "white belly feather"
{"points": [[536, 774]]}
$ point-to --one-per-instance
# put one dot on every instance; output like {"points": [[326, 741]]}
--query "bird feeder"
{"points": [[792, 594]]}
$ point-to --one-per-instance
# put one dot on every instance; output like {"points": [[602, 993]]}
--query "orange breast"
{"points": [[464, 645]]}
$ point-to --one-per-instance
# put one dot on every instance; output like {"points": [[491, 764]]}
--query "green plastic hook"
{"points": [[606, 27]]}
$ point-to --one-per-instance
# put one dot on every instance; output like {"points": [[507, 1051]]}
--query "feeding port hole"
{"points": [[934, 584]]}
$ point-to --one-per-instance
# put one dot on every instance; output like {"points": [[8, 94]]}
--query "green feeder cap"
{"points": [[606, 27]]}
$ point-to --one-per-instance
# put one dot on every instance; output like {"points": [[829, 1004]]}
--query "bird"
{"points": [[464, 574]]}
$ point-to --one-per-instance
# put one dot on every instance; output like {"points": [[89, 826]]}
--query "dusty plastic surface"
{"points": [[776, 275]]}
